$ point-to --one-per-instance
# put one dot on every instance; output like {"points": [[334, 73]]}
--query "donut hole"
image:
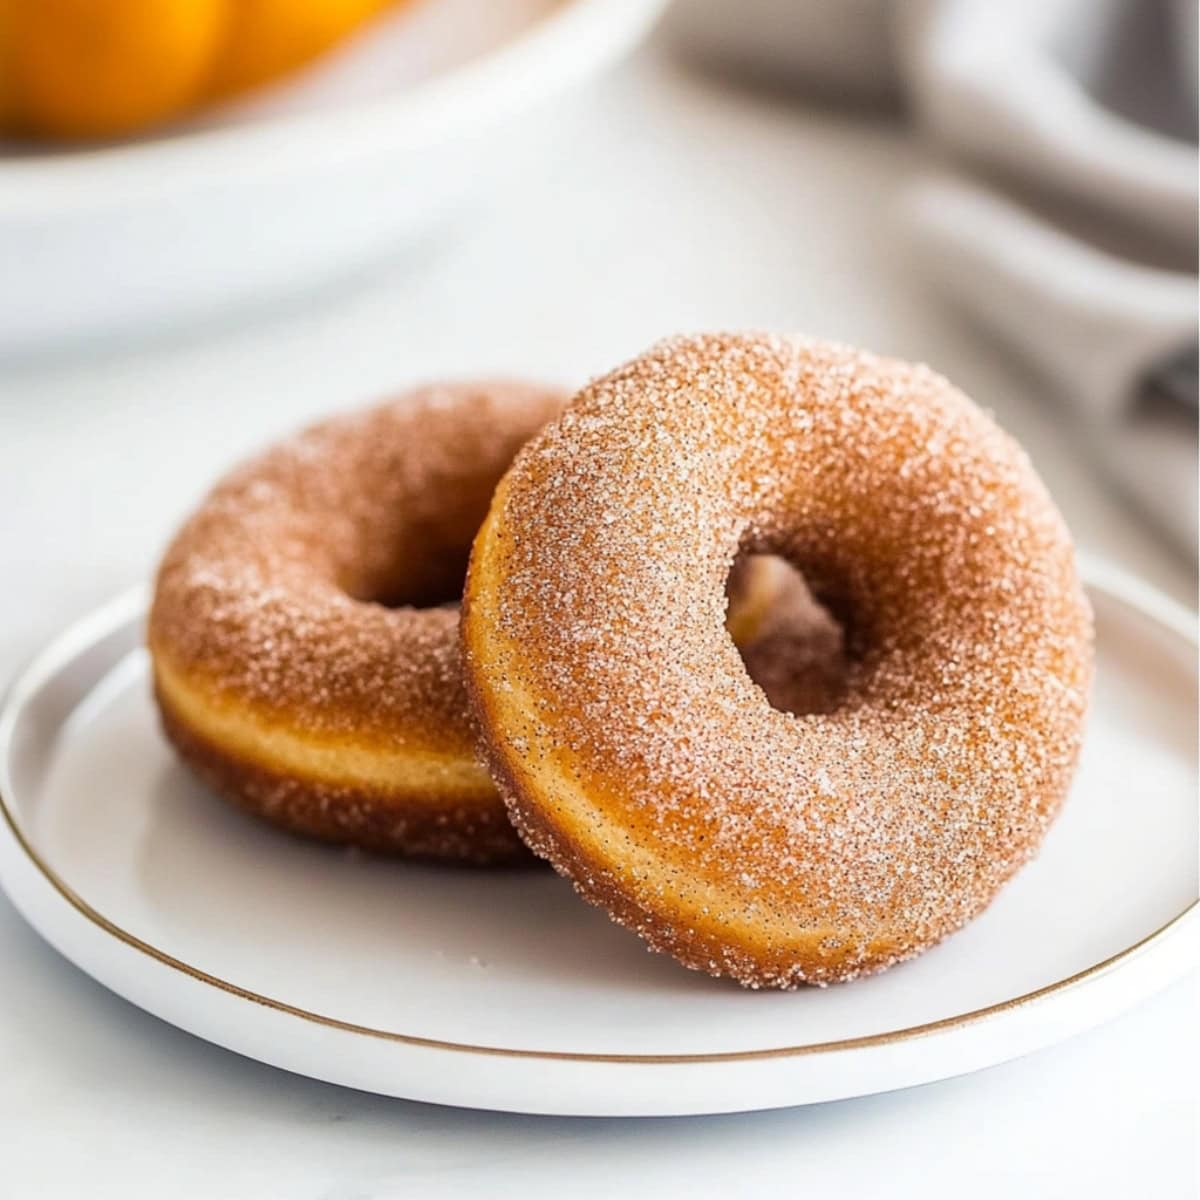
{"points": [[431, 580], [790, 643]]}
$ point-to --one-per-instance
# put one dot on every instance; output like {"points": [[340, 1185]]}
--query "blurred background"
{"points": [[221, 218]]}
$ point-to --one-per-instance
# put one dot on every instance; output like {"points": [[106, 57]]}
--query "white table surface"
{"points": [[660, 202]]}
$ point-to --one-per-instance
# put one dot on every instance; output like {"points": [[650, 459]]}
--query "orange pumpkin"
{"points": [[77, 69], [269, 38]]}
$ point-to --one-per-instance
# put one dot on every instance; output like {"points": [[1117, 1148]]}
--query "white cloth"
{"points": [[1065, 212], [1091, 107]]}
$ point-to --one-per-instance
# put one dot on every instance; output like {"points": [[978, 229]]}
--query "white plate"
{"points": [[365, 153], [501, 990]]}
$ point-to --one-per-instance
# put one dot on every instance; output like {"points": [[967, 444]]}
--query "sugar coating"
{"points": [[314, 589], [635, 752], [299, 583]]}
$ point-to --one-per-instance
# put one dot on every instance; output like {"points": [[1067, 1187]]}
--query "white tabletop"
{"points": [[653, 203]]}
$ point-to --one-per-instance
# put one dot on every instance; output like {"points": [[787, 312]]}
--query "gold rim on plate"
{"points": [[1101, 577]]}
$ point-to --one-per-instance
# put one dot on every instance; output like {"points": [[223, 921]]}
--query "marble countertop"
{"points": [[663, 202]]}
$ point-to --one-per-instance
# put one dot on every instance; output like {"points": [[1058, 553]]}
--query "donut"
{"points": [[631, 746], [303, 632]]}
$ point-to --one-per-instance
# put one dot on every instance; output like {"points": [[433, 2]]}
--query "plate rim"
{"points": [[1098, 574]]}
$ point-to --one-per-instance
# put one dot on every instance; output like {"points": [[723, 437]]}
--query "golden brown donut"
{"points": [[631, 746], [304, 625]]}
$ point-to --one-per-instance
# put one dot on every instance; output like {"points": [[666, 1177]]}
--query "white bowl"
{"points": [[316, 177]]}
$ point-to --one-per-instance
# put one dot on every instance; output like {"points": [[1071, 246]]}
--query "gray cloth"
{"points": [[1064, 212]]}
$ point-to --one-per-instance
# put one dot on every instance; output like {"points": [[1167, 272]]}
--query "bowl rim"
{"points": [[564, 45]]}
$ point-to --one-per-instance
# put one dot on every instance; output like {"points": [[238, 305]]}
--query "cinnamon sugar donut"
{"points": [[304, 625], [630, 744]]}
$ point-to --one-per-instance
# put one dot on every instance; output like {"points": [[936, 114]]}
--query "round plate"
{"points": [[362, 154], [502, 990]]}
